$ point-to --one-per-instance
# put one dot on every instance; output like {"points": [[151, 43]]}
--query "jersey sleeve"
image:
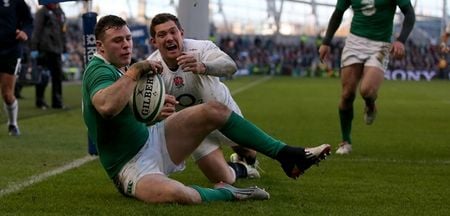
{"points": [[212, 51], [217, 62], [99, 78], [26, 19], [343, 5], [402, 3]]}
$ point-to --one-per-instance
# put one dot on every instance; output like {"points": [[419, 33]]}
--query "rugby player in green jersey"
{"points": [[366, 54], [139, 158]]}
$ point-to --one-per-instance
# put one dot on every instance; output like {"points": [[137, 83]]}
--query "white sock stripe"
{"points": [[11, 112], [18, 66], [13, 105], [10, 107], [41, 177]]}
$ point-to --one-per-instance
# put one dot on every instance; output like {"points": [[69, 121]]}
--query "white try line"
{"points": [[251, 85], [79, 162], [41, 177]]}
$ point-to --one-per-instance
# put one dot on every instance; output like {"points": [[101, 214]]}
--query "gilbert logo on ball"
{"points": [[147, 99]]}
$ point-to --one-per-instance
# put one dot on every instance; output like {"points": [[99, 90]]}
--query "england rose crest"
{"points": [[178, 81]]}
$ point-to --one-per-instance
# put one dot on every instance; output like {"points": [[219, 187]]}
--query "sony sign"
{"points": [[417, 75]]}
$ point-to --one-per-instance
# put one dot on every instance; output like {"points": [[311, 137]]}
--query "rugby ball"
{"points": [[147, 99]]}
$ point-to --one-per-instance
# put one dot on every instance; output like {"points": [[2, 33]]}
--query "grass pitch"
{"points": [[400, 165]]}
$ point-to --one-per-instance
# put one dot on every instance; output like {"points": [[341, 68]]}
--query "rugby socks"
{"points": [[370, 103], [11, 111], [346, 117], [239, 170], [209, 195], [290, 157], [248, 135]]}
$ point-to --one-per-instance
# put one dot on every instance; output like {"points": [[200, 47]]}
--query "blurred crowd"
{"points": [[261, 55], [75, 50]]}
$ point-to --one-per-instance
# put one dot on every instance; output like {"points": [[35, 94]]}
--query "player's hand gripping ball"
{"points": [[147, 99]]}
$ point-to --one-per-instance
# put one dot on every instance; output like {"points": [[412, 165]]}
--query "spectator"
{"points": [[47, 45]]}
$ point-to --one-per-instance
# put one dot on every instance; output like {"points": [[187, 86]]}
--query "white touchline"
{"points": [[252, 84], [41, 177], [14, 187]]}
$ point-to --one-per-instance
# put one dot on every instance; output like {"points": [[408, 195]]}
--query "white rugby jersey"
{"points": [[191, 89]]}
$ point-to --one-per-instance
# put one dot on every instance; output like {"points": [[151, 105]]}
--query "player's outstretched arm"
{"points": [[398, 47], [333, 25], [408, 22]]}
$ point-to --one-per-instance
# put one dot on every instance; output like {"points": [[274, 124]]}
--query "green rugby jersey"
{"points": [[372, 19], [117, 139]]}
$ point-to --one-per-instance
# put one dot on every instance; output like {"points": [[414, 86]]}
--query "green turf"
{"points": [[400, 164]]}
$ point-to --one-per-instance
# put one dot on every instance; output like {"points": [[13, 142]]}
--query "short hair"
{"points": [[162, 18], [107, 22]]}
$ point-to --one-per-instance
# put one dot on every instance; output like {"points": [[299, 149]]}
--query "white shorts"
{"points": [[153, 158], [368, 52], [215, 139]]}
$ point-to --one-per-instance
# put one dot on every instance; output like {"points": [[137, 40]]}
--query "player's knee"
{"points": [[216, 112], [348, 97], [230, 179], [8, 98], [367, 92]]}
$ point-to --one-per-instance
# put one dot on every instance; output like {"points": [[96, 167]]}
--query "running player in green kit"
{"points": [[366, 54]]}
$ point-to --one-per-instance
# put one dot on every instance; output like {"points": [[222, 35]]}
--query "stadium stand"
{"points": [[297, 56]]}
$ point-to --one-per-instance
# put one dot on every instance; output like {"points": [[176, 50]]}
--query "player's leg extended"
{"points": [[350, 77], [294, 160], [157, 188], [187, 128]]}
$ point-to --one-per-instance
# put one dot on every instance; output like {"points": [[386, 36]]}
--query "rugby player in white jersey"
{"points": [[191, 72]]}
